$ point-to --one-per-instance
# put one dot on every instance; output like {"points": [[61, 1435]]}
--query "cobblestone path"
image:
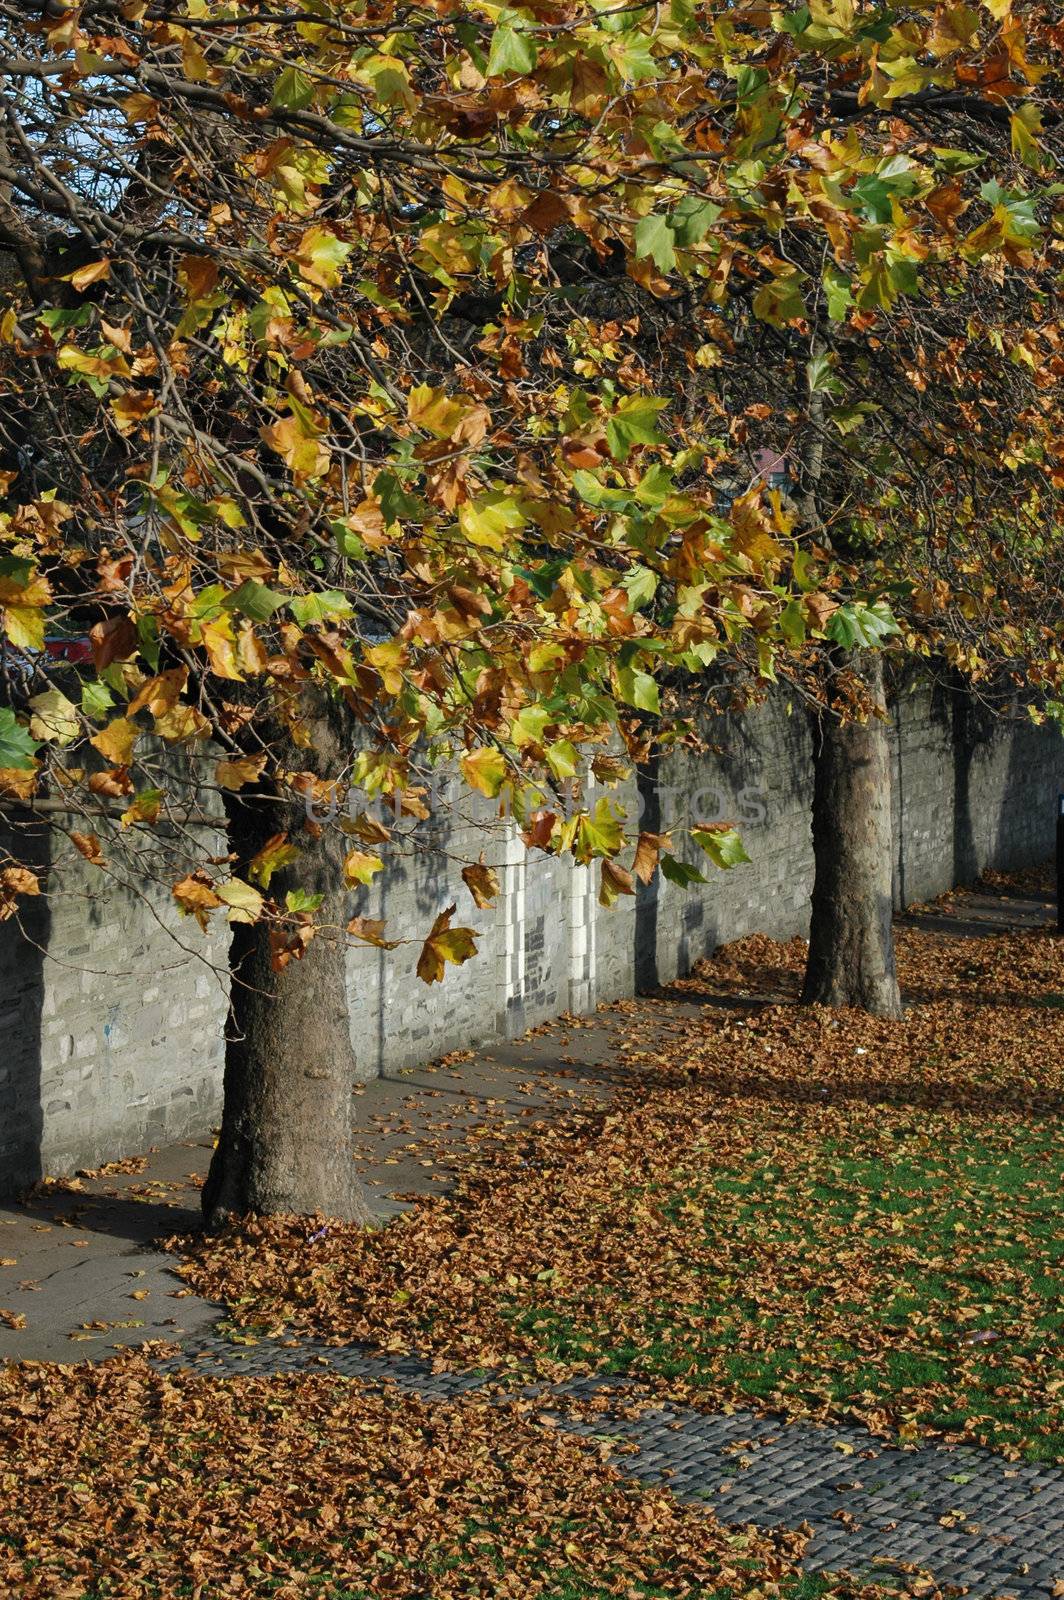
{"points": [[966, 1516]]}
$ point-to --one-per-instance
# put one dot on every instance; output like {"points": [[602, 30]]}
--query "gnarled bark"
{"points": [[851, 940]]}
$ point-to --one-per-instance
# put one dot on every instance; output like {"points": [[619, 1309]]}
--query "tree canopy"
{"points": [[440, 356]]}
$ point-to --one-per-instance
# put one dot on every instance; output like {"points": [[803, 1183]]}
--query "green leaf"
{"points": [[511, 50], [594, 493], [96, 700], [654, 238], [722, 845], [347, 542], [637, 60], [856, 625], [311, 608], [17, 748], [293, 90], [300, 900], [822, 379], [254, 600], [692, 219], [635, 421], [562, 759], [781, 301], [638, 689], [792, 623], [530, 724], [678, 871], [396, 504], [641, 585], [840, 297], [487, 519], [849, 418], [655, 486]]}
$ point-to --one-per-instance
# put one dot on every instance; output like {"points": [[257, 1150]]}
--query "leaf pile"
{"points": [[118, 1481], [818, 1212]]}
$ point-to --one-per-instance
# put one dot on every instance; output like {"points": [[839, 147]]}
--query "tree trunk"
{"points": [[851, 940], [287, 1123]]}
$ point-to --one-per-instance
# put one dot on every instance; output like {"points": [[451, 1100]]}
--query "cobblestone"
{"points": [[966, 1515]]}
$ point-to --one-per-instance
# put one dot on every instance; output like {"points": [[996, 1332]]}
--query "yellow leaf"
{"points": [[444, 944], [275, 854], [485, 769], [448, 417], [92, 272], [360, 866], [234, 774], [218, 641], [115, 742], [55, 718], [24, 626], [388, 658], [245, 903], [160, 694]]}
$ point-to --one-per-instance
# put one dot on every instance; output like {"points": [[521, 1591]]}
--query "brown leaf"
{"points": [[90, 847], [481, 882]]}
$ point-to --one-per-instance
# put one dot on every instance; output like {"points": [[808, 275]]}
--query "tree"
{"points": [[294, 422], [330, 372]]}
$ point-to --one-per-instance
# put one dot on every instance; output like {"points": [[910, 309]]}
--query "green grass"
{"points": [[956, 1239]]}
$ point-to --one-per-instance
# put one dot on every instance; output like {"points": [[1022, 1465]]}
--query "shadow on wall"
{"points": [[23, 942], [754, 772], [997, 750], [1027, 817], [645, 945]]}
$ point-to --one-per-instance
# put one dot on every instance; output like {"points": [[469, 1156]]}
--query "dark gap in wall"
{"points": [[23, 942]]}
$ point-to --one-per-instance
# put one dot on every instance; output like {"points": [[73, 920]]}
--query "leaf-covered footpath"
{"points": [[119, 1482], [816, 1212]]}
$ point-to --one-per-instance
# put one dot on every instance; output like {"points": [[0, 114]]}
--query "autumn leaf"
{"points": [[276, 854], [360, 866], [16, 882], [485, 770], [234, 774], [444, 944], [482, 883], [371, 931], [614, 882], [368, 828], [648, 848], [195, 894], [89, 846]]}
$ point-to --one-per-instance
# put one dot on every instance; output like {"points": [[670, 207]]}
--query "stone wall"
{"points": [[114, 1038]]}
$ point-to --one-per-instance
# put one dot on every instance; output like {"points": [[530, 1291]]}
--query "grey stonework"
{"points": [[113, 1039]]}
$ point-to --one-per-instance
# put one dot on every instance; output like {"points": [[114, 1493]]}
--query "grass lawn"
{"points": [[816, 1213], [910, 1276]]}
